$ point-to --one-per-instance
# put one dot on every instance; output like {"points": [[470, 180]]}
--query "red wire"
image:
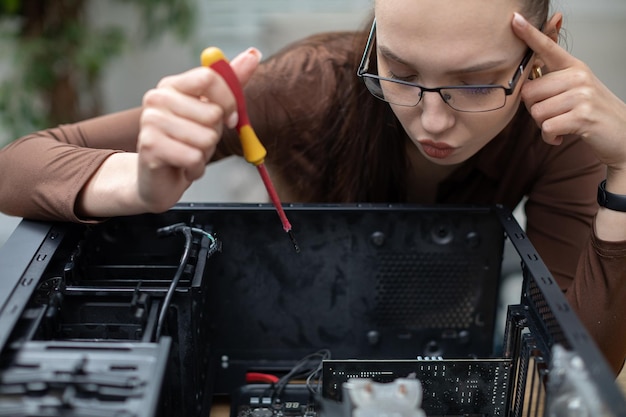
{"points": [[256, 377]]}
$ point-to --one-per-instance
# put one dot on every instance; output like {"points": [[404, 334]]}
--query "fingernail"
{"points": [[232, 120], [519, 19], [255, 52]]}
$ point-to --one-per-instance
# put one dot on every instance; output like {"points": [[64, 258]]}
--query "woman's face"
{"points": [[449, 42]]}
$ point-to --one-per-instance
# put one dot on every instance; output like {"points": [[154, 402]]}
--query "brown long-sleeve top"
{"points": [[300, 105]]}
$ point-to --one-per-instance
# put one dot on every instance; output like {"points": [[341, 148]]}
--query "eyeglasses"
{"points": [[463, 98]]}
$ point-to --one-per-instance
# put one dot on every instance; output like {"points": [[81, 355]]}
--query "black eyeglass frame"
{"points": [[364, 66]]}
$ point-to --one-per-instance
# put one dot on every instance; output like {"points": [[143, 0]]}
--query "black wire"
{"points": [[302, 369], [172, 288], [187, 232], [317, 373], [314, 390]]}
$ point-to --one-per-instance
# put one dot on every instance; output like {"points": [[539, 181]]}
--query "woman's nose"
{"points": [[436, 116]]}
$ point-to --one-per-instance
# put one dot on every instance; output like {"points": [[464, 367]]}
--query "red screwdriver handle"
{"points": [[253, 150]]}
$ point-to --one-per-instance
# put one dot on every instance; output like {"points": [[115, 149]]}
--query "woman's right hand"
{"points": [[181, 123]]}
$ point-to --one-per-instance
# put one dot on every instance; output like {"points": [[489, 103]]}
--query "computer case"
{"points": [[159, 314]]}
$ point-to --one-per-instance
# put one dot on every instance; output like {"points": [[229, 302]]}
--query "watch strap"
{"points": [[609, 200]]}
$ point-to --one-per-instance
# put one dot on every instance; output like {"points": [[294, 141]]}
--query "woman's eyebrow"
{"points": [[480, 67], [388, 53]]}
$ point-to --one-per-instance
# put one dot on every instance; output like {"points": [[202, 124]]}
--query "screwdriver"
{"points": [[253, 150]]}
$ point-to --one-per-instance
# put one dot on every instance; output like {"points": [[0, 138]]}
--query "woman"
{"points": [[389, 134]]}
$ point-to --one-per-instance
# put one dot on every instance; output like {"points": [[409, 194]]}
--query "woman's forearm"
{"points": [[112, 190]]}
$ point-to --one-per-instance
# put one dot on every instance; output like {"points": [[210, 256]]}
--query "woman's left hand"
{"points": [[569, 100]]}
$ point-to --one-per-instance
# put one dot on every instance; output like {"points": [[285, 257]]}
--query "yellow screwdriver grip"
{"points": [[211, 55]]}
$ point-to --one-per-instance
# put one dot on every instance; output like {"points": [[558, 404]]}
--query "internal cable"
{"points": [[304, 368], [187, 233], [172, 288]]}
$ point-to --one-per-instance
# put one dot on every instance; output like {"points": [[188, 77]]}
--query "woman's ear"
{"points": [[552, 28]]}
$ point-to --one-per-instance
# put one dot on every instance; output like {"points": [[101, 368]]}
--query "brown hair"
{"points": [[536, 11], [366, 162], [349, 146]]}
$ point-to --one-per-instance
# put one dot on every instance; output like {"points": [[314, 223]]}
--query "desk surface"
{"points": [[220, 409]]}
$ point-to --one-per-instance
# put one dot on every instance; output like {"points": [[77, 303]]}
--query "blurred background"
{"points": [[65, 60]]}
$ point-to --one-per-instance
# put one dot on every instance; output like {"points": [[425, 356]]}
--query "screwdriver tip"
{"points": [[293, 241]]}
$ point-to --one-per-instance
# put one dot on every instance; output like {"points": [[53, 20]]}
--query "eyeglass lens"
{"points": [[472, 98]]}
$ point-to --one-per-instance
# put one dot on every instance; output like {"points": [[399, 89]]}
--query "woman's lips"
{"points": [[435, 149]]}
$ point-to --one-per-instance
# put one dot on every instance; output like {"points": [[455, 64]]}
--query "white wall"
{"points": [[232, 25]]}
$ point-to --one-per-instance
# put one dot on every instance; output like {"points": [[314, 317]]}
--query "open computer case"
{"points": [[169, 314]]}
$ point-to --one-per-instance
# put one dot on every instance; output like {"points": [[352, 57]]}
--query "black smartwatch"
{"points": [[609, 200]]}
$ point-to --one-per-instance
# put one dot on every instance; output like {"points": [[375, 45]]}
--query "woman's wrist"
{"points": [[610, 221], [616, 180], [609, 200], [111, 191]]}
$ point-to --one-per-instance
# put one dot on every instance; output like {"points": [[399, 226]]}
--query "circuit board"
{"points": [[450, 386], [260, 400]]}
